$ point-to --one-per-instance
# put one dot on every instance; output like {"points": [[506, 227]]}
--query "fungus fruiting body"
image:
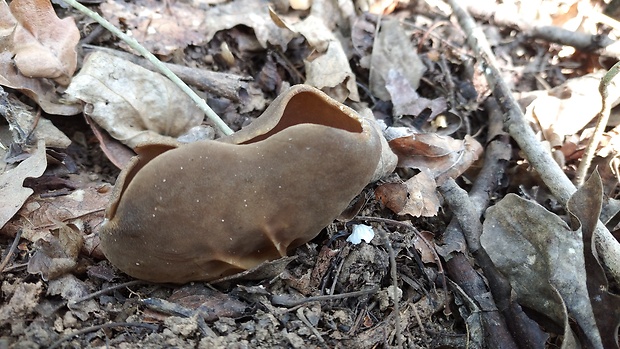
{"points": [[209, 209]]}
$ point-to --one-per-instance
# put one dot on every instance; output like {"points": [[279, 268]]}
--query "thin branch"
{"points": [[106, 290], [288, 302], [602, 119], [395, 296], [11, 250], [156, 62]]}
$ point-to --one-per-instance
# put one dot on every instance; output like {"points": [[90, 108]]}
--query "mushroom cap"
{"points": [[209, 209]]}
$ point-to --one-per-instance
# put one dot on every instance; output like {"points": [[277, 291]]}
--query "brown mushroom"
{"points": [[213, 208]]}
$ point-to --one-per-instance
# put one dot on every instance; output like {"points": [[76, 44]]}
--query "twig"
{"points": [[151, 58], [395, 297], [288, 302], [174, 309], [540, 158], [11, 250], [464, 210], [57, 343], [304, 319], [106, 290], [602, 119]]}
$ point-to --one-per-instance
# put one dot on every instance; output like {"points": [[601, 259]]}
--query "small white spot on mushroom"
{"points": [[163, 180], [138, 264], [181, 167], [279, 187], [197, 200], [155, 208], [160, 198], [222, 220], [290, 139], [153, 215]]}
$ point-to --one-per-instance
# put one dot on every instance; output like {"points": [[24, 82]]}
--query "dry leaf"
{"points": [[163, 30], [423, 200], [37, 46], [133, 104], [83, 208], [211, 304], [43, 44], [442, 156], [425, 244], [568, 108], [329, 68], [71, 288], [406, 100], [417, 196], [11, 183], [392, 196], [585, 207], [56, 254], [160, 29], [393, 50], [544, 260], [21, 116]]}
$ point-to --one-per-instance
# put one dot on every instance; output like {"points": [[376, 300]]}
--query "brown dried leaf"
{"points": [[117, 152], [210, 303], [442, 156], [56, 254], [417, 196], [11, 183], [37, 46], [547, 266], [43, 44], [425, 245], [392, 196], [585, 206], [393, 50], [83, 208], [423, 199], [406, 100], [163, 30], [329, 68], [160, 29], [133, 104], [568, 108], [71, 288]]}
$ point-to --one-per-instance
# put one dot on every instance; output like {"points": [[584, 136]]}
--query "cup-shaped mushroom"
{"points": [[209, 209]]}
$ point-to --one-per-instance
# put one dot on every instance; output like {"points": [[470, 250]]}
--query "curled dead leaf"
{"points": [[56, 254], [442, 156], [133, 104]]}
